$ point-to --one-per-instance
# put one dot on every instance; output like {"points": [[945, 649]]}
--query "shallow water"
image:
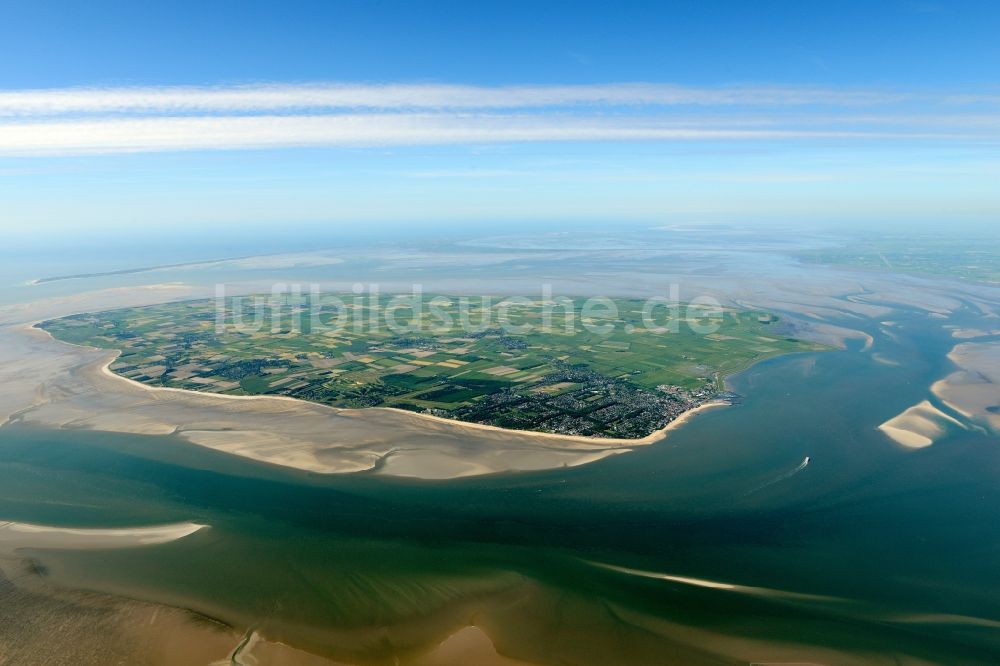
{"points": [[367, 568]]}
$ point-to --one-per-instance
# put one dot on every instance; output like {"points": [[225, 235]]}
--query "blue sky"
{"points": [[118, 115], [912, 42]]}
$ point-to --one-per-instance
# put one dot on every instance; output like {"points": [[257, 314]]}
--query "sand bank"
{"points": [[14, 536], [974, 389], [42, 623], [918, 426], [467, 646], [885, 360], [717, 585], [254, 650], [837, 336], [966, 333]]}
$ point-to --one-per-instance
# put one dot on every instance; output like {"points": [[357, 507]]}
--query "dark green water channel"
{"points": [[318, 561]]}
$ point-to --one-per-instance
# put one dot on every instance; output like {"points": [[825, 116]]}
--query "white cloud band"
{"points": [[239, 132], [279, 97], [115, 120]]}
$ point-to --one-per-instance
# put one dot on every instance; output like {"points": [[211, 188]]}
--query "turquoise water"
{"points": [[875, 532]]}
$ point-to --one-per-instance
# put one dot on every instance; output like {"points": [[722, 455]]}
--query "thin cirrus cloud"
{"points": [[249, 132], [282, 97], [119, 120]]}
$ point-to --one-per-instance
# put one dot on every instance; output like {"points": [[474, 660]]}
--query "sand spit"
{"points": [[966, 333], [885, 360], [974, 389], [14, 536], [716, 585], [918, 426], [837, 336]]}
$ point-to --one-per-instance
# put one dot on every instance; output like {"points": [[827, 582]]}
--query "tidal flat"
{"points": [[715, 545]]}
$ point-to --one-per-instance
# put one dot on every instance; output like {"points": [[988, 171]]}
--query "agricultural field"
{"points": [[611, 370]]}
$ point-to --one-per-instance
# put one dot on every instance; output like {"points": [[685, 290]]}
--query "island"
{"points": [[618, 369]]}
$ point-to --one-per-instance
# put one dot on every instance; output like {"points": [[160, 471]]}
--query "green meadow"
{"points": [[613, 368]]}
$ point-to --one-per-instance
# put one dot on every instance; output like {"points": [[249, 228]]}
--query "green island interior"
{"points": [[607, 370]]}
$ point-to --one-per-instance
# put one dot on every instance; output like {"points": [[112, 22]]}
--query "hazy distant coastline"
{"points": [[130, 271]]}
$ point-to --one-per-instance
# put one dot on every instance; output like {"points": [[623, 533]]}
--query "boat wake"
{"points": [[781, 477]]}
